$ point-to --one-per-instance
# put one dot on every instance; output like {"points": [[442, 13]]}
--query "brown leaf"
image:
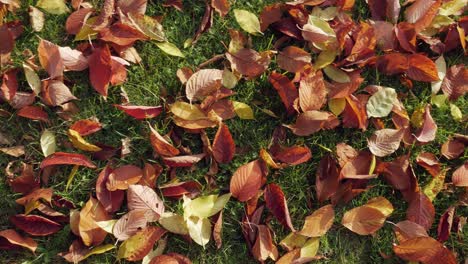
{"points": [[269, 15], [50, 59], [445, 224], [406, 230], [294, 155], [100, 69], [35, 225], [224, 147], [8, 42], [36, 195], [264, 247], [122, 177], [460, 176], [202, 83], [276, 203], [355, 114], [311, 122], [327, 178], [16, 151], [56, 93], [89, 231], [62, 158], [429, 162], [151, 173], [161, 145], [358, 167], [428, 130], [421, 68], [455, 83], [318, 223], [345, 153], [312, 92], [293, 59], [384, 9], [217, 230], [421, 210], [110, 200], [424, 249], [132, 6], [10, 239], [247, 180], [183, 161], [163, 259], [140, 197], [392, 63], [86, 126], [385, 141], [121, 34], [363, 220], [205, 24], [406, 35], [249, 62], [129, 224], [452, 148], [221, 6], [286, 90]]}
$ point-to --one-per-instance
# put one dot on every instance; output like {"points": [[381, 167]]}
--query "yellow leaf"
{"points": [[56, 7], [337, 105], [336, 74], [174, 223], [186, 111], [435, 186], [80, 143], [107, 225], [48, 144], [205, 206], [292, 241], [243, 110], [199, 230], [417, 118], [456, 112], [86, 31], [310, 248], [248, 21], [170, 49], [71, 176], [325, 58], [99, 250], [33, 79]]}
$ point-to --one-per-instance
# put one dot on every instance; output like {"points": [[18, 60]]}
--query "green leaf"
{"points": [[441, 71], [33, 79], [439, 100], [174, 223], [248, 21], [381, 103], [170, 49], [229, 79], [205, 206], [48, 144], [310, 248], [325, 58], [456, 112], [149, 26], [243, 110], [452, 7], [56, 7]]}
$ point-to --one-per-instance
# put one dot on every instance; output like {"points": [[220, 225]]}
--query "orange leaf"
{"points": [[247, 180]]}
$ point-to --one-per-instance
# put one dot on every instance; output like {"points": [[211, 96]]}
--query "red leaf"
{"points": [[151, 173], [56, 93], [286, 90], [110, 200], [34, 113], [9, 85], [7, 44], [247, 180], [452, 148], [86, 126], [122, 177], [264, 247], [221, 6], [269, 15], [311, 122], [178, 189], [100, 69], [249, 62], [406, 35], [293, 155], [183, 161], [406, 230], [121, 34], [276, 203], [355, 114], [224, 147], [62, 158], [422, 12], [392, 63], [141, 112], [50, 59], [358, 167], [132, 6], [429, 162], [293, 59], [76, 20], [35, 225], [421, 210], [445, 224]]}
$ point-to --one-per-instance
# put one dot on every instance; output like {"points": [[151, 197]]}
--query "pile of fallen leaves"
{"points": [[320, 52]]}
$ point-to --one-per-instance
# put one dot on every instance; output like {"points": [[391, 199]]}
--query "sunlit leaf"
{"points": [[248, 21], [170, 49]]}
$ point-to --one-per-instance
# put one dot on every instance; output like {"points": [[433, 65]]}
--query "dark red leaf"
{"points": [[286, 90], [62, 158], [110, 200], [445, 224], [276, 203], [34, 113], [293, 155], [224, 147], [421, 210], [178, 189], [141, 112], [35, 225], [100, 69]]}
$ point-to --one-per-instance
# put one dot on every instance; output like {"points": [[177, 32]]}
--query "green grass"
{"points": [[156, 74]]}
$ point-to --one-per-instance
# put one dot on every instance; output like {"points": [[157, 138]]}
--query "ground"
{"points": [[157, 74]]}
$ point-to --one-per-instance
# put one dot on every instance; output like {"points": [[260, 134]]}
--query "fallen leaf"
{"points": [[86, 127], [100, 71], [276, 203], [421, 210], [224, 147], [312, 91], [62, 158], [80, 143], [56, 7], [319, 222], [140, 112], [183, 161], [140, 197], [385, 141], [170, 49], [36, 18], [110, 200], [293, 59], [248, 21], [88, 229], [249, 62], [202, 83], [264, 247], [381, 103], [221, 6], [161, 145], [286, 90], [10, 239], [243, 110], [35, 225], [363, 220], [460, 176], [129, 224], [247, 180], [428, 130], [294, 155], [139, 245], [50, 59], [425, 250], [327, 178], [406, 230]]}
